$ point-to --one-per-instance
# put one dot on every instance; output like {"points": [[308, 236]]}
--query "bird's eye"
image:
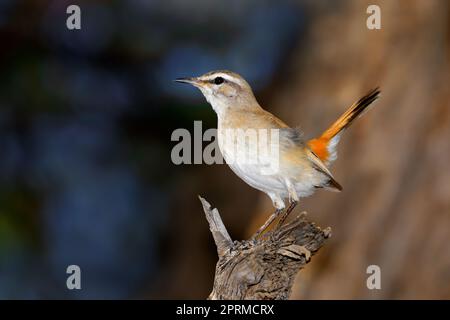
{"points": [[218, 80]]}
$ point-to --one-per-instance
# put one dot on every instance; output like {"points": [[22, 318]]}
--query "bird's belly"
{"points": [[267, 174], [304, 186], [252, 169], [252, 175]]}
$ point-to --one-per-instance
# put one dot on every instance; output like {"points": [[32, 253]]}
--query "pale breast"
{"points": [[253, 162]]}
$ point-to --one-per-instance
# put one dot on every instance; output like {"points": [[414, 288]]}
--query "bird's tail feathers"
{"points": [[325, 146]]}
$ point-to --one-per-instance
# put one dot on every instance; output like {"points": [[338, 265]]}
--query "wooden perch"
{"points": [[262, 269]]}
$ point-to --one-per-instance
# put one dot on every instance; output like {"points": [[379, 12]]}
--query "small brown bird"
{"points": [[302, 166]]}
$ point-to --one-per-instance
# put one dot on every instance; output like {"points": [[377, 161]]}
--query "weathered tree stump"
{"points": [[262, 269]]}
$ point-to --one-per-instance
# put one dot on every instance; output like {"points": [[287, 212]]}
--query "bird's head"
{"points": [[223, 90]]}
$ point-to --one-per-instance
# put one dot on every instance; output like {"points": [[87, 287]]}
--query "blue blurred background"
{"points": [[86, 118], [85, 123]]}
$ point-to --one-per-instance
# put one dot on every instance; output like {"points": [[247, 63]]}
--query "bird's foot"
{"points": [[272, 217]]}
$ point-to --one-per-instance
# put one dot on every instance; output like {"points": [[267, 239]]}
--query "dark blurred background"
{"points": [[86, 118]]}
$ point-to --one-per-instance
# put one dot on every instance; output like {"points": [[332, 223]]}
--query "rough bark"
{"points": [[262, 269]]}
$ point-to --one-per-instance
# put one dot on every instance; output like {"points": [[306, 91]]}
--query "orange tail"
{"points": [[325, 146]]}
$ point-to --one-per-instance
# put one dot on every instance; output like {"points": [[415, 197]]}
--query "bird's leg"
{"points": [[287, 212], [293, 200], [267, 223], [278, 203]]}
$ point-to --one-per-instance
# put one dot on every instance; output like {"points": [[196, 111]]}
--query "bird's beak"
{"points": [[194, 81]]}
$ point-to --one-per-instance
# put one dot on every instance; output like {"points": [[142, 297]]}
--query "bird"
{"points": [[303, 166]]}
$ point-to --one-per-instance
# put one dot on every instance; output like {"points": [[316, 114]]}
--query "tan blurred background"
{"points": [[394, 163]]}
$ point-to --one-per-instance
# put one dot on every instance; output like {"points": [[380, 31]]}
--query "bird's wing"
{"points": [[295, 149], [291, 137], [320, 166]]}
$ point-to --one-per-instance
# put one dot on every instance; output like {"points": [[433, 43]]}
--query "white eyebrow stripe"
{"points": [[225, 76]]}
